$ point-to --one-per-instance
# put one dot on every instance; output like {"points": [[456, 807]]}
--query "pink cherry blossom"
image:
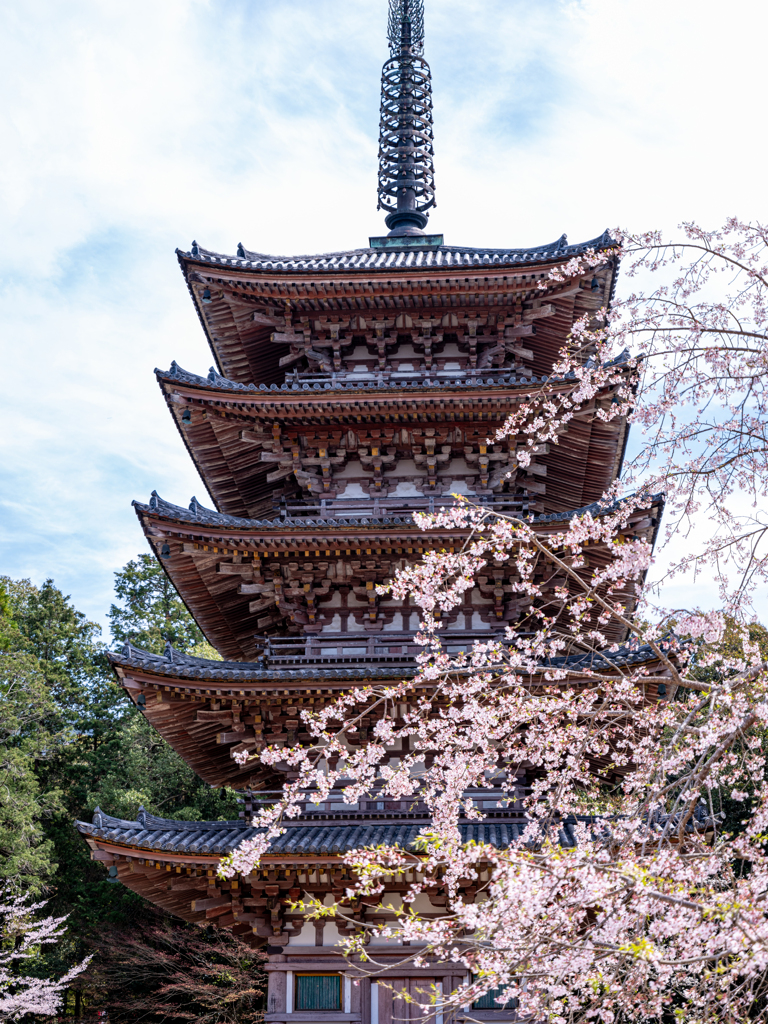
{"points": [[623, 897], [23, 933]]}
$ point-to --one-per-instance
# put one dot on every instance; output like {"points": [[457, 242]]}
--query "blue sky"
{"points": [[128, 130]]}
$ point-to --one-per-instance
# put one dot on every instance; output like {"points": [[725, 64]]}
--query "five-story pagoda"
{"points": [[350, 389]]}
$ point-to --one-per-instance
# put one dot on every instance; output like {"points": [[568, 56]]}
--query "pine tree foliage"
{"points": [[70, 740], [150, 611]]}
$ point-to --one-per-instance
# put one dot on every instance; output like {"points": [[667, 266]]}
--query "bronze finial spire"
{"points": [[406, 173]]}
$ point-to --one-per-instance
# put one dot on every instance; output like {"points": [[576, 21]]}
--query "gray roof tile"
{"points": [[215, 382], [397, 259], [199, 515], [319, 839], [220, 838], [181, 666]]}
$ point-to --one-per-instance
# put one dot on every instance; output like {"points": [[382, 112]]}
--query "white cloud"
{"points": [[129, 130]]}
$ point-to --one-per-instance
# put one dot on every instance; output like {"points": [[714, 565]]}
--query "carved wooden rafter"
{"points": [[487, 341]]}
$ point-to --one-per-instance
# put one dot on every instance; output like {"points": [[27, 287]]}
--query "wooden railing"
{"points": [[353, 649], [495, 803], [488, 374], [360, 508]]}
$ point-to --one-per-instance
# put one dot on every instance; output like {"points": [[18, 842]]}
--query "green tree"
{"points": [[70, 740], [150, 610], [70, 655], [106, 753], [56, 692], [7, 625], [26, 854], [26, 709]]}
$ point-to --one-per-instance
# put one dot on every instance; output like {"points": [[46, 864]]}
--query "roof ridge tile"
{"points": [[329, 840], [404, 258]]}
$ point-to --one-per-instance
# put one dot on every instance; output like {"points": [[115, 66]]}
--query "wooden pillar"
{"points": [[366, 993], [276, 992], [356, 993]]}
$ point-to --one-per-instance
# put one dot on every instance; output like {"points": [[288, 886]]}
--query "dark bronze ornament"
{"points": [[406, 171]]}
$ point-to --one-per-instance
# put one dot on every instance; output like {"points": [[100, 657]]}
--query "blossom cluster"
{"points": [[24, 932], [619, 734]]}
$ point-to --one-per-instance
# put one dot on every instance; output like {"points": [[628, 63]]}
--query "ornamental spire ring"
{"points": [[406, 172]]}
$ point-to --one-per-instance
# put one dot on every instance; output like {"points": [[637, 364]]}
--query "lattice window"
{"points": [[488, 1001], [318, 992]]}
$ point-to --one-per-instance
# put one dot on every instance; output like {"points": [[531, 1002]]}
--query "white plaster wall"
{"points": [[407, 467], [459, 467], [405, 489], [306, 936], [422, 904], [459, 487], [392, 899], [349, 469], [352, 490]]}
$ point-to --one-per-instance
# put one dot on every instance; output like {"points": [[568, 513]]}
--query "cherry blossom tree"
{"points": [[637, 726], [23, 933], [702, 342]]}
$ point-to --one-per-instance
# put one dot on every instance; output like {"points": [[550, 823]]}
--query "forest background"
{"points": [[70, 740]]}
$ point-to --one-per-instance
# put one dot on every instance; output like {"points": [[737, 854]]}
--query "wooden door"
{"points": [[395, 1009]]}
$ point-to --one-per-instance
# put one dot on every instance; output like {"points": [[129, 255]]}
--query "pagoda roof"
{"points": [[174, 863], [224, 425], [173, 688], [482, 380], [174, 664], [500, 829], [177, 665], [199, 515], [241, 300], [404, 258], [220, 838], [209, 556]]}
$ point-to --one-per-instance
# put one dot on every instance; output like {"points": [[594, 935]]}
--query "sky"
{"points": [[130, 129]]}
